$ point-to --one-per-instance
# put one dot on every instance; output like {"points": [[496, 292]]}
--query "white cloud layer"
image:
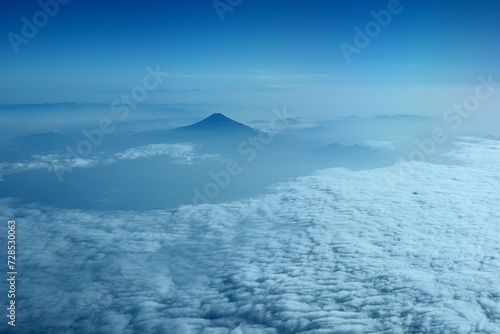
{"points": [[335, 252], [180, 153], [48, 162], [382, 144]]}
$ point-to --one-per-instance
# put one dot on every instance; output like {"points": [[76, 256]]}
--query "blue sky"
{"points": [[264, 53]]}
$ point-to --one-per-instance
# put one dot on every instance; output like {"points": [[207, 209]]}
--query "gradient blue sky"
{"points": [[265, 53]]}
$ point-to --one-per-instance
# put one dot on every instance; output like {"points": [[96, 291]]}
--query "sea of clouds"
{"points": [[388, 250]]}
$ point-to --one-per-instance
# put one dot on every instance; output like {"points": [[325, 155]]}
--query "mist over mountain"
{"points": [[131, 164]]}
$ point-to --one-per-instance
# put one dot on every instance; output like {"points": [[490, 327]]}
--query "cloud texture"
{"points": [[180, 153], [334, 252]]}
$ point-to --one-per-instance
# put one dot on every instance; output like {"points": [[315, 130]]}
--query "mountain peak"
{"points": [[218, 122], [218, 117], [217, 114]]}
